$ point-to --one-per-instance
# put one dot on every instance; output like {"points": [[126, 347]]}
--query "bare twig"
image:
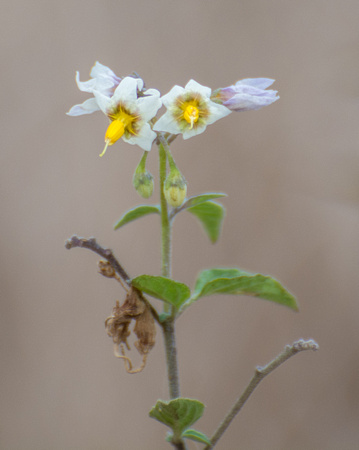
{"points": [[260, 373], [106, 253]]}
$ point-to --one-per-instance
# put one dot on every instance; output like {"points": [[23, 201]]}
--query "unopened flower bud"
{"points": [[142, 179], [143, 183], [175, 188], [246, 95]]}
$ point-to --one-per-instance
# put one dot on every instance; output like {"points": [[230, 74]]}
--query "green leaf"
{"points": [[197, 199], [136, 213], [197, 436], [165, 289], [239, 282], [211, 215], [178, 414]]}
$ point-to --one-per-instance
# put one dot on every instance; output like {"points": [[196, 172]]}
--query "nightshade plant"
{"points": [[132, 111]]}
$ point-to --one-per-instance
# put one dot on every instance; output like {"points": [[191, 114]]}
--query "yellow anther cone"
{"points": [[114, 132]]}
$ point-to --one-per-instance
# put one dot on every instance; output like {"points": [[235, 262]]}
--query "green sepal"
{"points": [[136, 213], [177, 414], [211, 215], [165, 289], [197, 436], [239, 282]]}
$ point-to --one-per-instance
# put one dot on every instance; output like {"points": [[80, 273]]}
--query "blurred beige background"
{"points": [[291, 172]]}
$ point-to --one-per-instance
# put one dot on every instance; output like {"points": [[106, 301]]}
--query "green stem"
{"points": [[171, 356], [165, 222], [168, 325]]}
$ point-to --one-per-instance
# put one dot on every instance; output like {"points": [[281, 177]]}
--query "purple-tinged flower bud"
{"points": [[248, 94]]}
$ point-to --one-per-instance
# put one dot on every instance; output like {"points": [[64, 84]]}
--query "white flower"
{"points": [[129, 114], [102, 80], [189, 110]]}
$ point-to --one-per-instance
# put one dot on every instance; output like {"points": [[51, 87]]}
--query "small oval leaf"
{"points": [[211, 215], [165, 289], [197, 199], [136, 213], [197, 436], [177, 414], [239, 282]]}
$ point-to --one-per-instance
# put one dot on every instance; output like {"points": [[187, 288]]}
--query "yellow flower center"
{"points": [[121, 122], [191, 114]]}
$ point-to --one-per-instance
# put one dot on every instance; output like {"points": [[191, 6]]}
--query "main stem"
{"points": [[169, 323]]}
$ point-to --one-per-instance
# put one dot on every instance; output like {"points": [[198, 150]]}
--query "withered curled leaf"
{"points": [[118, 327]]}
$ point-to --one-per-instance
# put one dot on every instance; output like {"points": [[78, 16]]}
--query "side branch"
{"points": [[260, 373], [106, 253]]}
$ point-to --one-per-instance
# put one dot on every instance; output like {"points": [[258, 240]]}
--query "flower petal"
{"points": [[103, 102], [217, 112], [99, 70], [171, 96], [103, 81], [126, 91], [140, 84], [193, 86], [143, 139], [87, 107], [167, 123], [260, 83], [154, 92], [188, 133], [149, 106], [85, 86], [247, 102]]}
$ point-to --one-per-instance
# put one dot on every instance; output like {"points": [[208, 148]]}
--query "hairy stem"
{"points": [[260, 373], [171, 357], [168, 325], [165, 222]]}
